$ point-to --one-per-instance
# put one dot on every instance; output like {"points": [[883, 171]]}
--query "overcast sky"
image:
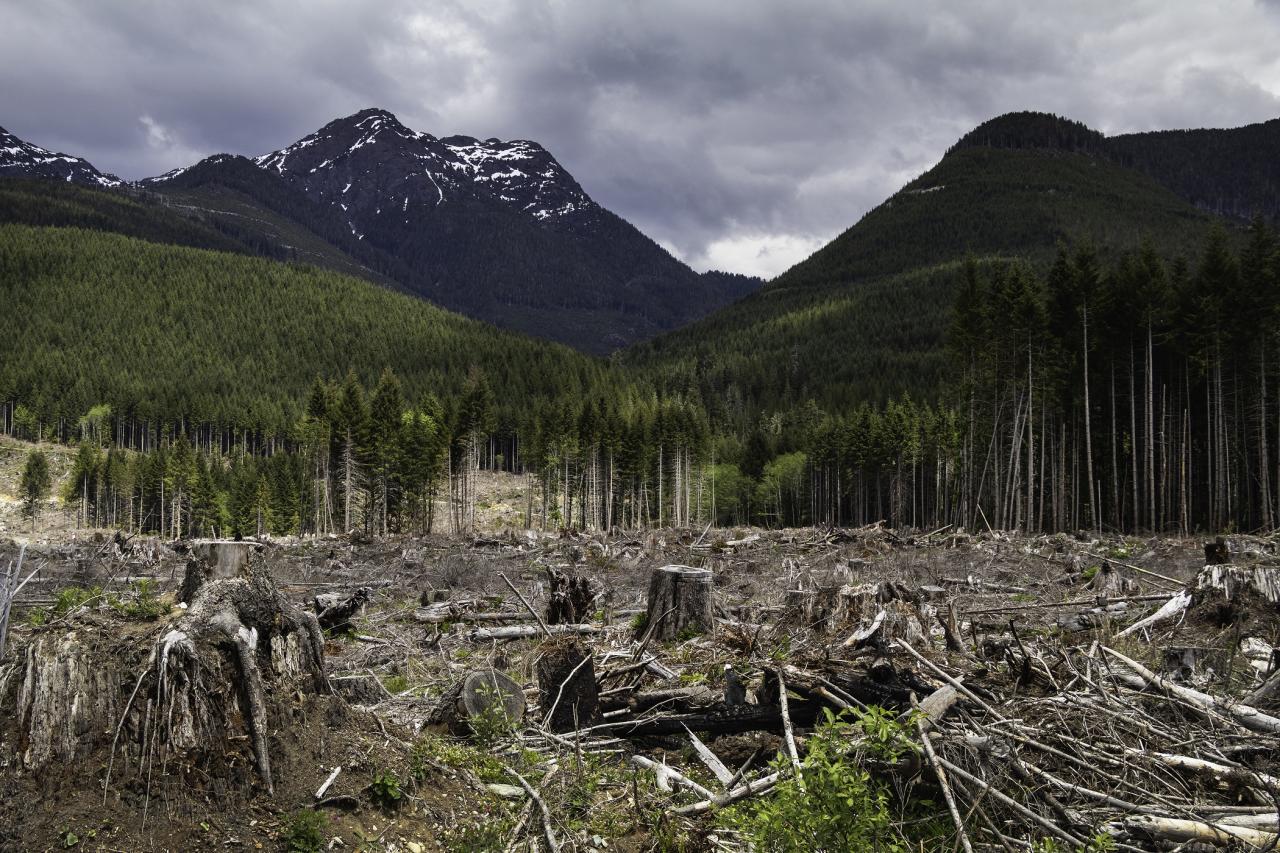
{"points": [[741, 135]]}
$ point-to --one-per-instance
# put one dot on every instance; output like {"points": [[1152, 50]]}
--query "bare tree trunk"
{"points": [[1088, 425]]}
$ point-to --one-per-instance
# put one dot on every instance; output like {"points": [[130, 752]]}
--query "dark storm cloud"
{"points": [[738, 133]]}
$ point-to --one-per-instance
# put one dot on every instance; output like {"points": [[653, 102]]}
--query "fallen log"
{"points": [[1246, 716], [1179, 831], [720, 719], [515, 632]]}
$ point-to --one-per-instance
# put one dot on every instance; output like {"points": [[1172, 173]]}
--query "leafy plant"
{"points": [[395, 684], [143, 604], [71, 597], [492, 723], [841, 806], [385, 790], [304, 831]]}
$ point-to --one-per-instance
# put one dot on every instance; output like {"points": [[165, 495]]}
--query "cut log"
{"points": [[479, 693], [567, 692], [680, 602]]}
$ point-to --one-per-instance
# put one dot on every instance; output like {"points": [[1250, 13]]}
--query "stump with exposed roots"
{"points": [[201, 691]]}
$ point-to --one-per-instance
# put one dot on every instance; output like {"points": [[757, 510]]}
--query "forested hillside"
{"points": [[1026, 336], [865, 316], [165, 333]]}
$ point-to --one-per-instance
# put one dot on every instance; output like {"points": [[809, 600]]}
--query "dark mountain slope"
{"points": [[219, 338], [496, 230], [20, 159], [866, 315], [1234, 173]]}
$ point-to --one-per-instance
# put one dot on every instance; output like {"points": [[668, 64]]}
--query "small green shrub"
{"points": [[492, 724], [395, 684], [304, 831], [385, 791], [639, 622], [71, 597], [1090, 573], [842, 807], [143, 605]]}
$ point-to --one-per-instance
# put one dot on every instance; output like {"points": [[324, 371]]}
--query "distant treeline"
{"points": [[1137, 394]]}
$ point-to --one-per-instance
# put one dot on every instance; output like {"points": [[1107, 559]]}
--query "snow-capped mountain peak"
{"points": [[21, 159], [371, 161]]}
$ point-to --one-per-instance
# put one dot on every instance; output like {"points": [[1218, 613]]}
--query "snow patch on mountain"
{"points": [[372, 155], [21, 159]]}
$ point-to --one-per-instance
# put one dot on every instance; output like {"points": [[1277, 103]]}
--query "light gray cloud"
{"points": [[739, 133]]}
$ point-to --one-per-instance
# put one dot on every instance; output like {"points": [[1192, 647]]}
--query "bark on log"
{"points": [[680, 602], [476, 694], [567, 692]]}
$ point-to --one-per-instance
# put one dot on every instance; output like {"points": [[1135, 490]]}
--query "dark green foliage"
{"points": [[164, 332], [33, 485], [840, 805], [385, 790], [304, 831]]}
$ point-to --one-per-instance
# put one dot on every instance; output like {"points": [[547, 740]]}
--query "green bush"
{"points": [[841, 807], [143, 605], [385, 791], [304, 832], [71, 597]]}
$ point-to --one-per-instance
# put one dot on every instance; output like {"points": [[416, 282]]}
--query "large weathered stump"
{"points": [[195, 692], [680, 602], [567, 690], [212, 560], [481, 694]]}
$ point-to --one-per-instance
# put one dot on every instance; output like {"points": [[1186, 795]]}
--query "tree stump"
{"points": [[218, 678], [1216, 553], [680, 602], [567, 686], [570, 600], [215, 559], [478, 694]]}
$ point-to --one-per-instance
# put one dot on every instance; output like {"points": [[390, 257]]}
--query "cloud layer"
{"points": [[740, 134]]}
